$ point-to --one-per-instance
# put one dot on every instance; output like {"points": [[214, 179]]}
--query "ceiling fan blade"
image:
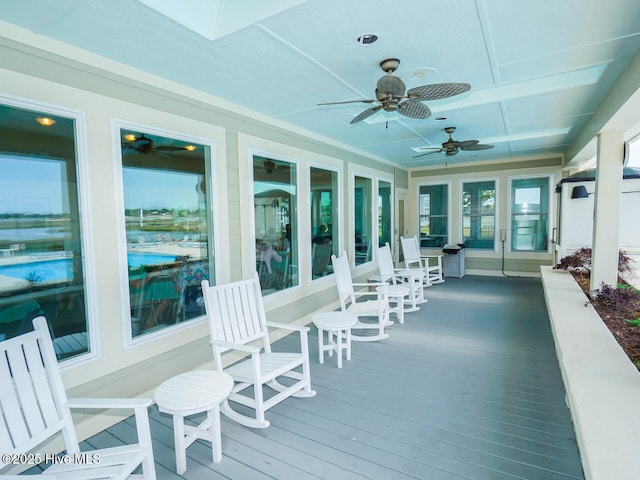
{"points": [[370, 100], [465, 144], [429, 153], [430, 148], [366, 114], [392, 85], [436, 91], [169, 149], [478, 146], [414, 109]]}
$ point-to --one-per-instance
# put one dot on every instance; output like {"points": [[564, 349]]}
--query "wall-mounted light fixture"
{"points": [[579, 192]]}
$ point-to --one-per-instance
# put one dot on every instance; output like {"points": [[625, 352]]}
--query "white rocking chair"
{"points": [[237, 321], [35, 408], [397, 290], [348, 296], [431, 264]]}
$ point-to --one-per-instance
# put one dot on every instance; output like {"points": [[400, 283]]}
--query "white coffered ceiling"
{"points": [[538, 69]]}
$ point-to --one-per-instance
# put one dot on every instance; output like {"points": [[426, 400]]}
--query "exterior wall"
{"points": [[488, 262], [60, 75], [576, 218]]}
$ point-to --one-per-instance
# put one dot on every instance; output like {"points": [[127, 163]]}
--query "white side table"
{"points": [[397, 293], [414, 279], [188, 394], [334, 323]]}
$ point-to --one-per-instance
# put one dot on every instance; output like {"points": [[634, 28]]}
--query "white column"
{"points": [[606, 214]]}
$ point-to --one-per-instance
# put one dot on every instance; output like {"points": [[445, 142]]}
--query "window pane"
{"points": [[324, 215], [362, 219], [275, 205], [433, 217], [384, 213], [478, 218], [41, 258], [529, 214], [168, 228]]}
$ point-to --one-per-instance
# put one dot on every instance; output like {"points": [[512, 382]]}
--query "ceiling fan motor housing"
{"points": [[390, 65]]}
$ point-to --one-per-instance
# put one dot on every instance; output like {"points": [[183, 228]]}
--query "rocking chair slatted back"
{"points": [[344, 281], [236, 312], [385, 264], [32, 389], [410, 251], [431, 264], [35, 408]]}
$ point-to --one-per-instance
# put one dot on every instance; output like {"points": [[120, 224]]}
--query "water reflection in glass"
{"points": [[168, 228], [41, 257]]}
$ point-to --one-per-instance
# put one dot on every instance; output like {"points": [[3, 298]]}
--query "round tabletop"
{"points": [[395, 290], [412, 272], [191, 391], [334, 320]]}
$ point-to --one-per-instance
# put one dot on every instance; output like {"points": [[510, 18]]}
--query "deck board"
{"points": [[468, 388]]}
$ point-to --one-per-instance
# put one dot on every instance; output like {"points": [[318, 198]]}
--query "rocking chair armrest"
{"points": [[287, 326], [379, 294], [368, 284], [101, 403], [235, 346]]}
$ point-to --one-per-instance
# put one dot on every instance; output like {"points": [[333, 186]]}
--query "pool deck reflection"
{"points": [[9, 283]]}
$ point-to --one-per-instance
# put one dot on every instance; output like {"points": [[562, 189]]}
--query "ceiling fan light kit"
{"points": [[391, 96]]}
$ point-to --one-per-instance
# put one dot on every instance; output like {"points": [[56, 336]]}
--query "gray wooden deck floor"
{"points": [[467, 388]]}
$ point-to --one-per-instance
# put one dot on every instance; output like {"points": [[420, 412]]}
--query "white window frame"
{"points": [[86, 230], [496, 234], [392, 200], [352, 219], [340, 223], [550, 191], [448, 183], [299, 205], [116, 126]]}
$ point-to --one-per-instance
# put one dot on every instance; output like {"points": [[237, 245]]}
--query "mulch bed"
{"points": [[615, 318]]}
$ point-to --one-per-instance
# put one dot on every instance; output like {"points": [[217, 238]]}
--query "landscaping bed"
{"points": [[619, 309], [618, 306]]}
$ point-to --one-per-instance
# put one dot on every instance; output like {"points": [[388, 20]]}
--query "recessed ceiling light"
{"points": [[45, 121], [131, 137], [190, 148], [367, 39]]}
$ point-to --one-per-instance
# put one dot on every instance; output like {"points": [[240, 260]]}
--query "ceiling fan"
{"points": [[452, 147], [145, 145], [391, 96]]}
